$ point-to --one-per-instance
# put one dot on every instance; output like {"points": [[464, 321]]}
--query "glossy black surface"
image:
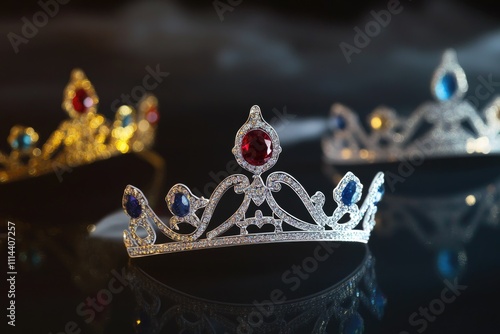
{"points": [[289, 62]]}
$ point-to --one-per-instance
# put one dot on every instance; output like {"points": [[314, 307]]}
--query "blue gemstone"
{"points": [[381, 190], [127, 120], [354, 324], [133, 207], [448, 263], [446, 86], [180, 206], [23, 141], [337, 122], [349, 192]]}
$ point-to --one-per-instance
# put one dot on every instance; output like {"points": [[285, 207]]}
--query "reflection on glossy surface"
{"points": [[444, 224], [163, 309]]}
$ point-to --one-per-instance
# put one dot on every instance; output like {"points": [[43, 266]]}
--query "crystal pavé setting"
{"points": [[256, 149], [449, 126]]}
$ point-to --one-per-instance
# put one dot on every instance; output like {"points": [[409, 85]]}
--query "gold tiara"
{"points": [[85, 137]]}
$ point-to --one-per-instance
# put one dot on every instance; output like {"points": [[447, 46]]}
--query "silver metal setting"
{"points": [[287, 227], [456, 127]]}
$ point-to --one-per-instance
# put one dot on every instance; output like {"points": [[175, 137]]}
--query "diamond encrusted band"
{"points": [[256, 149]]}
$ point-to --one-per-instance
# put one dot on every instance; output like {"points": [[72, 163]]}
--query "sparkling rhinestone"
{"points": [[446, 86], [133, 207], [257, 147], [349, 193], [180, 206], [82, 101]]}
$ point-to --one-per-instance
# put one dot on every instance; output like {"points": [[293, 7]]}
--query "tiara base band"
{"points": [[261, 238]]}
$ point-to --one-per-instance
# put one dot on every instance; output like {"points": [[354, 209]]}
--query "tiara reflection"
{"points": [[162, 308], [444, 224]]}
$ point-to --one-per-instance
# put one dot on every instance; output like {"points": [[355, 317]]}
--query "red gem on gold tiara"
{"points": [[82, 101], [152, 115], [256, 147]]}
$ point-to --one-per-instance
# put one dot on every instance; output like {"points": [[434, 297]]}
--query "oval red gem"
{"points": [[81, 101], [152, 115], [256, 147]]}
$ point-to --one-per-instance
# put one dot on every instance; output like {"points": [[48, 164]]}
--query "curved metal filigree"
{"points": [[448, 126], [184, 205]]}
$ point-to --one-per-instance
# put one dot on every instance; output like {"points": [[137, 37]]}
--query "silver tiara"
{"points": [[448, 126], [256, 149], [160, 307]]}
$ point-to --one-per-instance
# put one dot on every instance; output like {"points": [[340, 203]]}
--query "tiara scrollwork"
{"points": [[256, 149]]}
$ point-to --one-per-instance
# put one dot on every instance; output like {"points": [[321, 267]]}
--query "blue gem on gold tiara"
{"points": [[127, 120], [256, 149], [22, 142]]}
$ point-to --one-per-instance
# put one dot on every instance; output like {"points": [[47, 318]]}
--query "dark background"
{"points": [[281, 56]]}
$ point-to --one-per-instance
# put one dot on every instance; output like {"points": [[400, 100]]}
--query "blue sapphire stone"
{"points": [[354, 325], [127, 120], [348, 193], [446, 86], [337, 122], [23, 141], [381, 190], [180, 206], [133, 207]]}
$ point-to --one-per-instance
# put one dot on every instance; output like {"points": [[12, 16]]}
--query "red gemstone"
{"points": [[81, 101], [152, 115], [256, 147]]}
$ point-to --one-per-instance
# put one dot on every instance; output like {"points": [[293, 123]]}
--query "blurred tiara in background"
{"points": [[85, 137], [447, 127], [256, 150]]}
